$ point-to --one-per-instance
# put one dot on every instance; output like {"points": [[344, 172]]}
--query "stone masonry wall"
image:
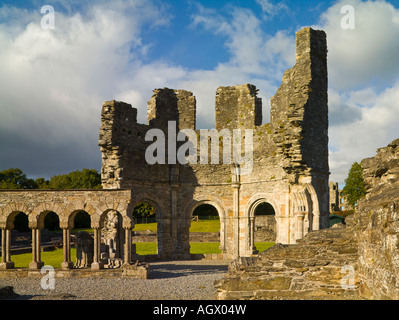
{"points": [[290, 157], [316, 268], [377, 225], [356, 261]]}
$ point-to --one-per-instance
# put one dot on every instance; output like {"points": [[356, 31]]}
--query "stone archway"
{"points": [[264, 223], [217, 205], [162, 249], [258, 204]]}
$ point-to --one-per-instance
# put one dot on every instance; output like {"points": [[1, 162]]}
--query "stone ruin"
{"points": [[290, 158], [111, 248], [112, 241], [358, 260], [290, 171]]}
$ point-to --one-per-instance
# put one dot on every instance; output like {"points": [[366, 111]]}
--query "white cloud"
{"points": [[54, 81], [269, 9], [363, 82], [255, 57], [367, 53]]}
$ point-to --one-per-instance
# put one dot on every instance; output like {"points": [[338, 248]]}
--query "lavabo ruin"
{"points": [[290, 172]]}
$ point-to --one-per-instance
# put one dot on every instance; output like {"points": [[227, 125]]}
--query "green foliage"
{"points": [[143, 209], [42, 183], [85, 179], [15, 179], [354, 188]]}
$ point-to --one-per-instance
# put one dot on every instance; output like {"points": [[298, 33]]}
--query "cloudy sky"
{"points": [[53, 81]]}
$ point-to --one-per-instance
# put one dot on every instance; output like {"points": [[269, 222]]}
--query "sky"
{"points": [[53, 81]]}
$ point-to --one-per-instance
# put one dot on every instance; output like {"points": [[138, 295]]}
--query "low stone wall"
{"points": [[318, 267], [135, 271]]}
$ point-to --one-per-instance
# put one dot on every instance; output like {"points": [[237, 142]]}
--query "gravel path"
{"points": [[176, 280]]}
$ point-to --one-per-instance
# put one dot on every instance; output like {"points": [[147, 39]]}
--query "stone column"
{"points": [[36, 261], [174, 221], [3, 246], [316, 220], [236, 223], [236, 210], [66, 244], [252, 235], [97, 264], [299, 232], [6, 262], [127, 256]]}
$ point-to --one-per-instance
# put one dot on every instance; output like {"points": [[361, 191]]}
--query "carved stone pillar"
{"points": [[66, 244], [127, 256], [252, 247], [36, 259], [6, 262], [97, 264], [300, 231]]}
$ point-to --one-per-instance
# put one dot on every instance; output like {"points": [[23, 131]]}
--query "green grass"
{"points": [[144, 248], [196, 226], [205, 226], [145, 226], [204, 247], [262, 246], [53, 258]]}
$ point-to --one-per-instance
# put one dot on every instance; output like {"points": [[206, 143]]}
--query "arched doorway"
{"points": [[265, 223], [19, 238], [205, 229], [262, 225], [82, 256], [145, 231]]}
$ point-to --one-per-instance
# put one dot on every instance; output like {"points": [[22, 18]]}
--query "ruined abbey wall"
{"points": [[290, 157]]}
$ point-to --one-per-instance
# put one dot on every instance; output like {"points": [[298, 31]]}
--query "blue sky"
{"points": [[54, 81]]}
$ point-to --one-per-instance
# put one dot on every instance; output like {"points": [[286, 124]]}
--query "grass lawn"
{"points": [[196, 226], [143, 248], [53, 258]]}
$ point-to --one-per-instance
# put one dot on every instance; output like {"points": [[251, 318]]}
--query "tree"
{"points": [[14, 178], [354, 188], [42, 183], [143, 210], [85, 179]]}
